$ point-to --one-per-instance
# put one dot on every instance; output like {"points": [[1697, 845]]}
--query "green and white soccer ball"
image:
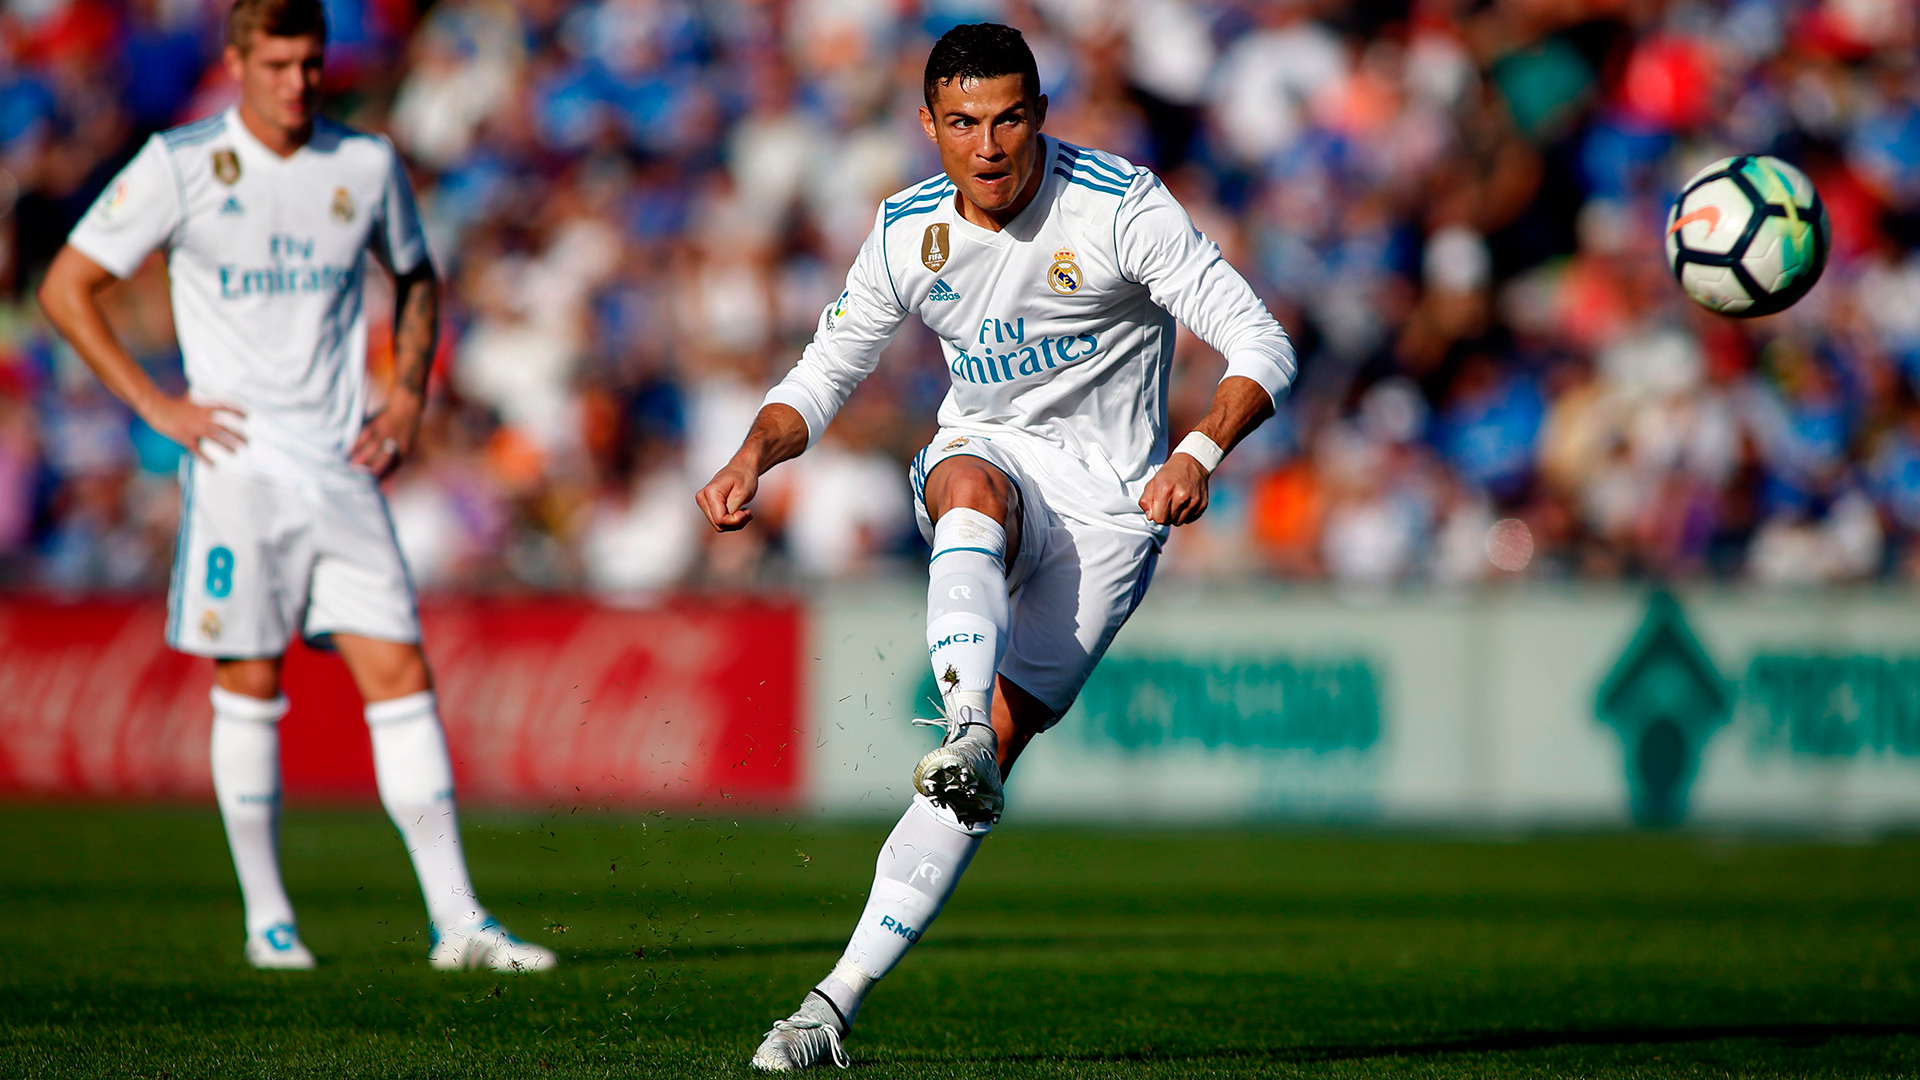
{"points": [[1748, 236]]}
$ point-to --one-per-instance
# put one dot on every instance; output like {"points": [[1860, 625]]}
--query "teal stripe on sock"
{"points": [[983, 551]]}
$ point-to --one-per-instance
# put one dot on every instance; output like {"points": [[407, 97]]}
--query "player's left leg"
{"points": [[919, 866], [414, 773], [361, 598]]}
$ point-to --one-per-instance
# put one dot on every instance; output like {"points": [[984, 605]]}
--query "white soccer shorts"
{"points": [[1073, 583], [258, 561]]}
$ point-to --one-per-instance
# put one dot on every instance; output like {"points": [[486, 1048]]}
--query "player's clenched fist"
{"points": [[1177, 494], [724, 500], [778, 434]]}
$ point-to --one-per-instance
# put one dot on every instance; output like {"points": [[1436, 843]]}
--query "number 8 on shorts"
{"points": [[219, 573]]}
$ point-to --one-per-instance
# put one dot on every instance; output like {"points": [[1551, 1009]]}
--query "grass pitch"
{"points": [[1066, 953]]}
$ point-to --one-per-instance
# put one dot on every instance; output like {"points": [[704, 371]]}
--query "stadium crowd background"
{"points": [[1455, 207]]}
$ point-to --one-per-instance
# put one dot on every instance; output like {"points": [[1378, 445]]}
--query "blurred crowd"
{"points": [[1454, 206]]}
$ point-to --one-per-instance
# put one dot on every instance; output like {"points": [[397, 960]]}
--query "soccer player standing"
{"points": [[1052, 275], [267, 213]]}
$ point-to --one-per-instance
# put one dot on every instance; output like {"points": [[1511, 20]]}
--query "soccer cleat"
{"points": [[278, 948], [799, 1042], [485, 945], [963, 773]]}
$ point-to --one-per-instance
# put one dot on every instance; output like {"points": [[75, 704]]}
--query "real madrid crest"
{"points": [[342, 206], [210, 625], [1064, 275], [934, 246], [226, 166]]}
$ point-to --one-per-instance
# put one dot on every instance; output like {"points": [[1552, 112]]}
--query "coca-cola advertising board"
{"points": [[544, 701]]}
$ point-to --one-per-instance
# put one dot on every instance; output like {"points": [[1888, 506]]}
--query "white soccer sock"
{"points": [[967, 607], [245, 753], [919, 866], [410, 764]]}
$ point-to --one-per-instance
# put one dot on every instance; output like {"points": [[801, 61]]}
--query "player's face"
{"points": [[279, 79], [988, 132]]}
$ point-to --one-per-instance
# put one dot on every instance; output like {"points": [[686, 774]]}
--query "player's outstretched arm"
{"points": [[778, 433], [389, 435], [845, 348], [1177, 494], [70, 298]]}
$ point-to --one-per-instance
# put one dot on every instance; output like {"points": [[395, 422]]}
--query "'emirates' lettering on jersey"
{"points": [[1058, 328], [267, 257]]}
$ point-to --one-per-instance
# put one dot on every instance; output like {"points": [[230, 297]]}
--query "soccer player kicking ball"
{"points": [[1052, 274], [267, 213]]}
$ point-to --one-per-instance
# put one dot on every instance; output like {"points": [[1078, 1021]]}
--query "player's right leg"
{"points": [[247, 707], [976, 510], [1075, 592], [975, 514], [226, 601]]}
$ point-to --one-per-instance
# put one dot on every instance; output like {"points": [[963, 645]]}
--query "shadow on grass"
{"points": [[1486, 1042], [1025, 943]]}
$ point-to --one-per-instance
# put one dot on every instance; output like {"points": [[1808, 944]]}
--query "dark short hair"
{"points": [[981, 51], [275, 18]]}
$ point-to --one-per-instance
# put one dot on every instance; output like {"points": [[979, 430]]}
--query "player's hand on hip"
{"points": [[1177, 494], [724, 500], [389, 435], [188, 422]]}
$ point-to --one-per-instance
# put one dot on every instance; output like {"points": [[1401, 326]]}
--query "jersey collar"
{"points": [[257, 150]]}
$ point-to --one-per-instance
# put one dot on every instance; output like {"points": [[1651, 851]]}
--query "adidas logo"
{"points": [[231, 206], [942, 291]]}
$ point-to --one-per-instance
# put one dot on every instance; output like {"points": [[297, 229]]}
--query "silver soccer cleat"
{"points": [[963, 773], [799, 1042], [485, 946]]}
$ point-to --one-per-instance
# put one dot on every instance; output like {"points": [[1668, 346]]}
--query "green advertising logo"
{"points": [[1665, 698], [1277, 703], [1138, 703], [1833, 706]]}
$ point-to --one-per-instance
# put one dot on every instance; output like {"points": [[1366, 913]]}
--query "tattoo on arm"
{"points": [[416, 328]]}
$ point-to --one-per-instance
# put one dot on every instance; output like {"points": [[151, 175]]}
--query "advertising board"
{"points": [[544, 701], [1502, 708]]}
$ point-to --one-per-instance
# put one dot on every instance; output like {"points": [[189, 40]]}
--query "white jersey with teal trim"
{"points": [[266, 257], [1058, 329]]}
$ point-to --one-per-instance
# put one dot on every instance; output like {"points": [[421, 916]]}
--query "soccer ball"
{"points": [[1748, 236]]}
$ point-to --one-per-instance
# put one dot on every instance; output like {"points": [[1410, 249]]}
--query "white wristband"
{"points": [[1201, 449]]}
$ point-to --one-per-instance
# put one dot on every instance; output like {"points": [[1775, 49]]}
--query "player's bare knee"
{"points": [[970, 484], [254, 678], [383, 670]]}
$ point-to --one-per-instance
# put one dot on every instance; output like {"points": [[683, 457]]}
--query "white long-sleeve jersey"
{"points": [[1058, 329]]}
